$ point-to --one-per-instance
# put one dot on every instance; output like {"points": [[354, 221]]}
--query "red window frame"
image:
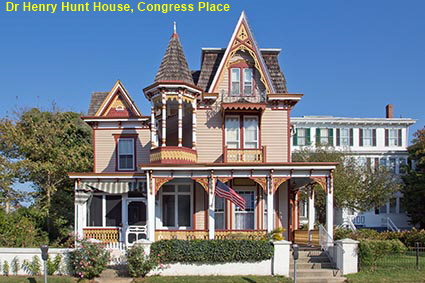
{"points": [[241, 66], [117, 137]]}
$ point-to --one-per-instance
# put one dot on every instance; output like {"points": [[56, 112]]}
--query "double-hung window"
{"points": [[393, 137], [244, 219], [242, 131], [241, 81], [250, 124], [176, 206], [324, 136], [219, 213], [367, 137], [232, 126], [126, 154], [302, 137], [344, 137]]}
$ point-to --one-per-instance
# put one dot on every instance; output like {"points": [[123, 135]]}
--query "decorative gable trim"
{"points": [[243, 39], [113, 99]]}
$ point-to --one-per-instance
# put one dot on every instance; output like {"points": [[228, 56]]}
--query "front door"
{"points": [[136, 221]]}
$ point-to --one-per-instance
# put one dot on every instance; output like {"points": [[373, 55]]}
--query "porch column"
{"points": [[211, 208], [311, 212], [270, 204], [330, 208], [150, 188], [164, 120], [180, 121], [124, 218], [79, 216], [153, 127]]}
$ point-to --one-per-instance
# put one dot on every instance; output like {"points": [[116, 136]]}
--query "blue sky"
{"points": [[349, 58]]}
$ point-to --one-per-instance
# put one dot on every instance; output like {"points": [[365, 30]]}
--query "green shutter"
{"points": [[317, 136], [351, 137], [331, 137], [386, 137], [338, 137], [307, 137], [295, 138]]}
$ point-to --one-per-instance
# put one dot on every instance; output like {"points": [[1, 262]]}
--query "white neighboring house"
{"points": [[374, 141]]}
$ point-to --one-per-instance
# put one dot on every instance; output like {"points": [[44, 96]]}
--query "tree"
{"points": [[47, 145], [8, 174], [414, 182], [356, 186]]}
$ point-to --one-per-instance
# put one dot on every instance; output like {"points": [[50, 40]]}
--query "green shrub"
{"points": [[139, 263], [88, 260], [32, 267], [276, 234], [6, 268], [370, 251], [53, 265], [342, 233], [212, 251], [15, 265]]}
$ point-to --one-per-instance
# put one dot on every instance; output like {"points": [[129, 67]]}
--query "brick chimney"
{"points": [[389, 111]]}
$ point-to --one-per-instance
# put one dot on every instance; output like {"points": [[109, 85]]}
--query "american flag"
{"points": [[224, 191]]}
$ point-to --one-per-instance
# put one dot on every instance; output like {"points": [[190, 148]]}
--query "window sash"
{"points": [[393, 137], [344, 138], [324, 136], [250, 132], [367, 137], [177, 206], [245, 219], [232, 126], [247, 81], [235, 81], [126, 154]]}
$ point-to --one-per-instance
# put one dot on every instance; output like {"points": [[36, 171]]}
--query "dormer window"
{"points": [[241, 81]]}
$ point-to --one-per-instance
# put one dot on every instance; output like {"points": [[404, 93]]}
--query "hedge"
{"points": [[372, 250], [212, 251], [409, 238]]}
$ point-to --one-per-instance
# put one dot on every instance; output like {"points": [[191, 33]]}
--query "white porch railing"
{"points": [[325, 239], [391, 225], [348, 223]]}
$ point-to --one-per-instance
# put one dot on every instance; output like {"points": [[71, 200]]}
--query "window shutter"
{"points": [[376, 162], [295, 138], [399, 138], [374, 137], [317, 136], [331, 137], [307, 136], [338, 137], [360, 137], [386, 137], [351, 137]]}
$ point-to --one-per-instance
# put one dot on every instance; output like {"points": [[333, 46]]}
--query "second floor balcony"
{"points": [[241, 155]]}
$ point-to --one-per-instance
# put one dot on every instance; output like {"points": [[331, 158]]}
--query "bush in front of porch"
{"points": [[212, 251]]}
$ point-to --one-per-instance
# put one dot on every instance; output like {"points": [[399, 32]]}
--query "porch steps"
{"points": [[314, 266], [112, 276]]}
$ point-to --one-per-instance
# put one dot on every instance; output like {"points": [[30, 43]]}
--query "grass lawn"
{"points": [[387, 276], [221, 279]]}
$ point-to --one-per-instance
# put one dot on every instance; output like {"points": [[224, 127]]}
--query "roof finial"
{"points": [[175, 27]]}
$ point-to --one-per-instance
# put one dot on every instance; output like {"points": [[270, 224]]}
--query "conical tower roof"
{"points": [[174, 65]]}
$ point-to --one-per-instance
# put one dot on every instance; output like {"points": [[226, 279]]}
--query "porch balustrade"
{"points": [[245, 155], [105, 235]]}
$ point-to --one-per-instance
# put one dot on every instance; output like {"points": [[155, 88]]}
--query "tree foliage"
{"points": [[46, 145], [356, 186], [414, 182]]}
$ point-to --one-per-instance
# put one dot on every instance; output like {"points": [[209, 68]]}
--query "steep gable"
{"points": [[243, 40], [117, 103]]}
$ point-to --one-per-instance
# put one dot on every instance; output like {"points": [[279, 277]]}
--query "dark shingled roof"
{"points": [[96, 100], [272, 63], [174, 65], [211, 60]]}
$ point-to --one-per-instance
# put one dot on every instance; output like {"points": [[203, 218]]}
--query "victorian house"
{"points": [[154, 176]]}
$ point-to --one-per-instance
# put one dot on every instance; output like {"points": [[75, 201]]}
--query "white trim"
{"points": [[276, 167]]}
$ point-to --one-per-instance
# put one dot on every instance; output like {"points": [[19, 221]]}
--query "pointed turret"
{"points": [[174, 65]]}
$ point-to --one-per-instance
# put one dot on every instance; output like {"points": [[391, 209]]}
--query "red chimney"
{"points": [[389, 111]]}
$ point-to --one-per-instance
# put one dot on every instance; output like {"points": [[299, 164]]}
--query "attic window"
{"points": [[241, 81], [119, 108]]}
